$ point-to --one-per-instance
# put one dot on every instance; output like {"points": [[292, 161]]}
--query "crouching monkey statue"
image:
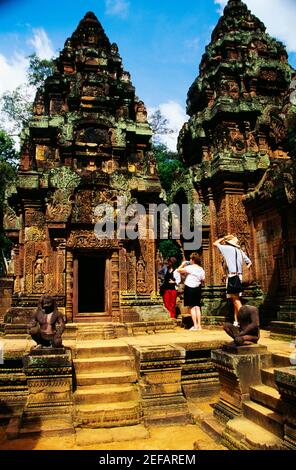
{"points": [[47, 324]]}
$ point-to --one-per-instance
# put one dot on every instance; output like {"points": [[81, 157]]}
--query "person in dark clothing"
{"points": [[169, 286], [248, 331]]}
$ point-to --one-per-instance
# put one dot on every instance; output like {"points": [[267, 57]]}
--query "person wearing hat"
{"points": [[234, 258]]}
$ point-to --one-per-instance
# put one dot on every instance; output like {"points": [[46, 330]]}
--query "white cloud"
{"points": [[13, 69], [279, 17], [12, 72], [41, 44], [176, 117], [117, 7]]}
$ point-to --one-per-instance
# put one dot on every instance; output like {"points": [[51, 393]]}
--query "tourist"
{"points": [[168, 289], [234, 258], [248, 330], [195, 278]]}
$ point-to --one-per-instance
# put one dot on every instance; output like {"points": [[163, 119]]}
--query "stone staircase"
{"points": [[95, 331], [106, 392], [261, 425]]}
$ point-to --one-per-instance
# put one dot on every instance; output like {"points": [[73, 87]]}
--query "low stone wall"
{"points": [[159, 371]]}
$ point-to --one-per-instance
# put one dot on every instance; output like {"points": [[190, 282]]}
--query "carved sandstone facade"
{"points": [[88, 143], [235, 133]]}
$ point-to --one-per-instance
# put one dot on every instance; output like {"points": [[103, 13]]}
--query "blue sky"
{"points": [[161, 41]]}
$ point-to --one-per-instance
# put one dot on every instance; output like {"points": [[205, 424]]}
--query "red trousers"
{"points": [[170, 299]]}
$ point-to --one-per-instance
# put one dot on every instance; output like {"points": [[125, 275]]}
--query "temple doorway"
{"points": [[90, 279]]}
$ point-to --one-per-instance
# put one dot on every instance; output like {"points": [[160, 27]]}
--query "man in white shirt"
{"points": [[234, 258]]}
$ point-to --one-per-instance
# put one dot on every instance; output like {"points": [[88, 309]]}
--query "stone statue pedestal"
{"points": [[285, 380], [243, 350], [49, 404], [239, 368], [159, 373]]}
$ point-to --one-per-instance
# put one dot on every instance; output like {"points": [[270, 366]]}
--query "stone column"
{"points": [[238, 368], [159, 373], [115, 286], [49, 403], [69, 286]]}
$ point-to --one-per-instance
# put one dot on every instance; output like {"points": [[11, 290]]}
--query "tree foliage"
{"points": [[168, 165], [8, 153], [160, 126], [169, 248], [17, 105], [39, 70]]}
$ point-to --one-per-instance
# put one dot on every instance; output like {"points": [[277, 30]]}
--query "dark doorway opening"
{"points": [[91, 284]]}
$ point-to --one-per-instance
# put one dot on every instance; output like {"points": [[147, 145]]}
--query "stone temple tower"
{"points": [[88, 143], [233, 134]]}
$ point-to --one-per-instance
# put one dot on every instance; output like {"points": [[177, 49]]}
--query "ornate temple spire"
{"points": [[244, 73], [96, 120], [90, 32], [237, 18]]}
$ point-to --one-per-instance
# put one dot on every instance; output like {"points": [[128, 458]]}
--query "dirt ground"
{"points": [[180, 438]]}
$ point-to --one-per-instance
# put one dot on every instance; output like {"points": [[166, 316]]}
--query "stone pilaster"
{"points": [[69, 286], [13, 387], [200, 377], [49, 379], [159, 374]]}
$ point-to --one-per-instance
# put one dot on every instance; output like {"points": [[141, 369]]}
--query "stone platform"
{"points": [[118, 382]]}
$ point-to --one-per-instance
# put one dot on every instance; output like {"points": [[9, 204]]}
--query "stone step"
{"points": [[97, 349], [266, 396], [107, 415], [95, 335], [84, 438], [213, 427], [88, 379], [46, 427], [104, 364], [281, 360], [242, 434], [106, 394], [267, 376], [264, 417], [90, 331]]}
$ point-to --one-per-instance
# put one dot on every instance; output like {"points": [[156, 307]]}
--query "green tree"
{"points": [[17, 105], [168, 165], [39, 70], [169, 248], [160, 126]]}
